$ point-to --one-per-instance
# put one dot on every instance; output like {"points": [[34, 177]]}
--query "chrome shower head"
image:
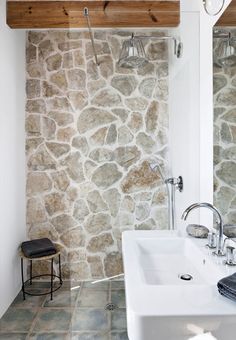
{"points": [[132, 54]]}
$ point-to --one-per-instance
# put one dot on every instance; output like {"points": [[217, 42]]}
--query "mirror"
{"points": [[224, 84]]}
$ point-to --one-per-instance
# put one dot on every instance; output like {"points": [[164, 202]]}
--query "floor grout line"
{"points": [[72, 307]]}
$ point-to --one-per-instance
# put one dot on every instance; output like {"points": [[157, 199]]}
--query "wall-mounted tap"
{"points": [[172, 184], [220, 246]]}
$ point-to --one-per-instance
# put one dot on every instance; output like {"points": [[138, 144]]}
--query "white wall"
{"points": [[12, 155]]}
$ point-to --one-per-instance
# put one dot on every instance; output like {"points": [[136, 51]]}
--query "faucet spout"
{"points": [[220, 245]]}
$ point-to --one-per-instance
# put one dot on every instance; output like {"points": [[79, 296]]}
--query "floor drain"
{"points": [[111, 306], [185, 277]]}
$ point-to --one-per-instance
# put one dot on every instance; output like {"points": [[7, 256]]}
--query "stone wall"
{"points": [[90, 135], [225, 141]]}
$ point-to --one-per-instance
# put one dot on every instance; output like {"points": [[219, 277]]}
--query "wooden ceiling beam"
{"points": [[30, 14], [228, 18]]}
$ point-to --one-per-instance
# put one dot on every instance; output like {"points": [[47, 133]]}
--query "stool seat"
{"points": [[51, 275], [47, 257]]}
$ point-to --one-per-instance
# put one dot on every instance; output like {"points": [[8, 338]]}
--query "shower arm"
{"points": [[178, 45], [86, 15]]}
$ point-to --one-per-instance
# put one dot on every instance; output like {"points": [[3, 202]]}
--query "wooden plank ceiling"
{"points": [[31, 14], [229, 16]]}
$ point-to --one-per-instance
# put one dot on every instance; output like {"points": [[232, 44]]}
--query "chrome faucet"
{"points": [[220, 244]]}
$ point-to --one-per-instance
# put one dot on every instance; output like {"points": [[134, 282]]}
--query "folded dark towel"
{"points": [[227, 287], [38, 248]]}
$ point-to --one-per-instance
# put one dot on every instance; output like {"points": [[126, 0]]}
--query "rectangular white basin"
{"points": [[161, 305]]}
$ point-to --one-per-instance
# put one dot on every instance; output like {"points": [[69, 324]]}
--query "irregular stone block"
{"points": [[112, 198], [106, 175], [73, 238], [136, 104], [38, 182], [36, 106], [76, 79], [106, 98], [124, 135], [36, 70], [113, 264], [96, 266], [80, 210], [151, 117], [127, 155], [60, 180], [227, 97], [78, 99], [70, 45], [32, 125], [59, 79], [54, 62], [92, 117], [63, 222], [219, 82], [55, 203], [140, 178], [81, 144], [68, 61], [102, 155], [121, 113], [227, 172], [45, 48], [41, 160], [146, 87], [124, 84], [95, 224], [111, 134], [98, 138], [95, 202], [61, 118], [58, 149], [59, 104], [35, 212], [36, 36], [106, 66], [135, 122], [48, 128], [145, 142], [100, 243], [33, 89]]}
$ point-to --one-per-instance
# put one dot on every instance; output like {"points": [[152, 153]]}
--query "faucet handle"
{"points": [[230, 256], [211, 240]]}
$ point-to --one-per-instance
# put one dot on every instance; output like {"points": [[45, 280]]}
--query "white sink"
{"points": [[164, 260], [161, 305]]}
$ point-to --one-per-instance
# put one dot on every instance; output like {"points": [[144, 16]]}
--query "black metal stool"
{"points": [[51, 275]]}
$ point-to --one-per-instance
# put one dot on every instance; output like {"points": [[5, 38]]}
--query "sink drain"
{"points": [[111, 306], [185, 277]]}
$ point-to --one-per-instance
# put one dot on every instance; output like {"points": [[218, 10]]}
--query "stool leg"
{"points": [[22, 278], [51, 277], [31, 270], [60, 269]]}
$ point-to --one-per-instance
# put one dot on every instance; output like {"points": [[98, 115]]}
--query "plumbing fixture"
{"points": [[172, 184], [220, 246], [185, 277], [225, 52], [230, 256], [86, 15], [213, 7], [211, 240], [133, 54]]}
